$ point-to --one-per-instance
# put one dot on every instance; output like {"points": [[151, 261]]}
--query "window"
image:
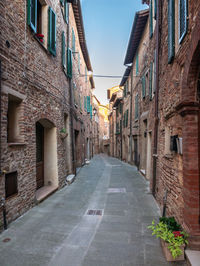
{"points": [[14, 117], [91, 109], [66, 11], [52, 32], [183, 13], [69, 63], [37, 17], [85, 103], [73, 42], [143, 87], [88, 104], [137, 64], [150, 80], [155, 9], [63, 50], [147, 82], [11, 184], [150, 19], [136, 107], [171, 30]]}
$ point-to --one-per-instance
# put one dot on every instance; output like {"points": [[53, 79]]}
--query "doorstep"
{"points": [[44, 192], [193, 257]]}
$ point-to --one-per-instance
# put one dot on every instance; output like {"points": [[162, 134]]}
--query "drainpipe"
{"points": [[71, 109], [155, 148], [131, 113]]}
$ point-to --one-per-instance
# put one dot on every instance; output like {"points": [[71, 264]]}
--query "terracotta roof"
{"points": [[139, 24], [81, 33]]}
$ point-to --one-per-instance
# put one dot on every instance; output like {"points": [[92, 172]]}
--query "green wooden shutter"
{"points": [[62, 2], [150, 81], [32, 14], [143, 87], [137, 64], [183, 13], [66, 11], [150, 19], [126, 118], [91, 111], [155, 9], [171, 31], [63, 51], [73, 42], [88, 104], [69, 63], [136, 106], [52, 32]]}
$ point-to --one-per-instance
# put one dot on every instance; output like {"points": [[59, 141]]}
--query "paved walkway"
{"points": [[59, 233]]}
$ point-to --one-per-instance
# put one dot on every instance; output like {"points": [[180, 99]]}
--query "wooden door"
{"points": [[39, 155]]}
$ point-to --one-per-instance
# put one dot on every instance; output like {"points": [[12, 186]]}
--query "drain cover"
{"points": [[116, 190], [94, 212], [6, 240]]}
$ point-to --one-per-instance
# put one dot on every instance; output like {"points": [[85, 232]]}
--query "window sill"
{"points": [[37, 39], [168, 156], [12, 196], [10, 144]]}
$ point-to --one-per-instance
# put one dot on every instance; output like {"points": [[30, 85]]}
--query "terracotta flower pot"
{"points": [[168, 254]]}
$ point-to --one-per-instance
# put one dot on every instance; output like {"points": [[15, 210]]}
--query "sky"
{"points": [[108, 25]]}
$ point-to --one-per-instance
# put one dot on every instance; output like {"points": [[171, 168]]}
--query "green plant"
{"points": [[171, 223], [174, 240], [63, 130]]}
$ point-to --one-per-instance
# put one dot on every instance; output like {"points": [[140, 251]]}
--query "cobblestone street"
{"points": [[59, 232]]}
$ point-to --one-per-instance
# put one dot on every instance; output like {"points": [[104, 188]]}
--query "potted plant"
{"points": [[173, 238], [63, 133]]}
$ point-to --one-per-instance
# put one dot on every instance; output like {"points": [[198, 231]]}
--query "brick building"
{"points": [[45, 99], [104, 145], [161, 84]]}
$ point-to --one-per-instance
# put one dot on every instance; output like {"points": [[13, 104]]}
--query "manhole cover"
{"points": [[94, 212], [6, 240], [116, 190]]}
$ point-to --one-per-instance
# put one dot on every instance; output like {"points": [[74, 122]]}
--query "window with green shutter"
{"points": [[150, 19], [32, 14], [91, 111], [137, 64], [88, 104], [63, 50], [136, 106], [66, 11], [183, 13], [143, 87], [52, 32], [62, 2], [171, 31], [150, 80], [69, 63], [126, 118], [73, 42], [85, 103], [155, 9]]}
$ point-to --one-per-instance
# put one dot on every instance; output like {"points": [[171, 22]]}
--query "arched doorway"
{"points": [[46, 156]]}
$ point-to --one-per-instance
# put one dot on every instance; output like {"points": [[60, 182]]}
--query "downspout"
{"points": [[71, 108], [155, 148], [131, 113]]}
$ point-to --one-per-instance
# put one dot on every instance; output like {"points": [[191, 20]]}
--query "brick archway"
{"points": [[189, 110]]}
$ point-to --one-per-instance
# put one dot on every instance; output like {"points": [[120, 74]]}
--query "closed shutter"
{"points": [[88, 104], [73, 42], [183, 13], [137, 64], [66, 11], [126, 118], [150, 81], [32, 14], [143, 87], [155, 9], [150, 19], [52, 32], [91, 111], [85, 103], [69, 63], [171, 31], [62, 2], [63, 51], [136, 106]]}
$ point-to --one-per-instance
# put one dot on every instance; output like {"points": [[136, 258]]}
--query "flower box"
{"points": [[168, 254]]}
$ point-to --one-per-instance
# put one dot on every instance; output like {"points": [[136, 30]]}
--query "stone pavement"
{"points": [[58, 232]]}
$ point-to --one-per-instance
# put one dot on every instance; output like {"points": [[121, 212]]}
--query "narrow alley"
{"points": [[60, 231]]}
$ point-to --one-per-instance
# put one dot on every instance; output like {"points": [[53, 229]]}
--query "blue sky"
{"points": [[107, 26]]}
